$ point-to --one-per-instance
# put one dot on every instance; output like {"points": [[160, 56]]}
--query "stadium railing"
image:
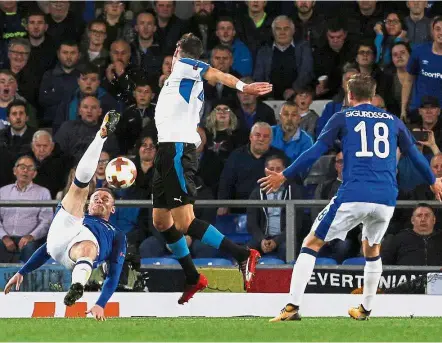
{"points": [[290, 210]]}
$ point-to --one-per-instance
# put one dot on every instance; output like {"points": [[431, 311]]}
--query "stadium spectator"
{"points": [[144, 159], [23, 229], [27, 79], [121, 76], [94, 52], [362, 20], [245, 166], [267, 224], [394, 30], [419, 246], [303, 99], [88, 85], [396, 75], [49, 161], [59, 82], [251, 110], [42, 57], [242, 59], [75, 136], [221, 58], [222, 137], [63, 24], [146, 51], [331, 58], [166, 70], [137, 118], [100, 175], [170, 28], [418, 25], [69, 181], [288, 136], [424, 72], [18, 135], [116, 25], [8, 94], [339, 101], [286, 65], [254, 28], [203, 24], [11, 17], [309, 24]]}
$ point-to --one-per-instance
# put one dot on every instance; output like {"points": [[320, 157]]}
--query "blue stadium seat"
{"points": [[212, 262], [354, 261], [270, 260], [321, 261], [239, 238], [226, 224], [159, 261]]}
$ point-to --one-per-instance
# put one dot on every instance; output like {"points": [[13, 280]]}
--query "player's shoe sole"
{"points": [[110, 121], [248, 268], [359, 313], [288, 313], [74, 293], [190, 290]]}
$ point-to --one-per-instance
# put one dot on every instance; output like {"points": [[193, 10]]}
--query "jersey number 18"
{"points": [[380, 131]]}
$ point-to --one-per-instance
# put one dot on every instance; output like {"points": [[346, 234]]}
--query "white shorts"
{"points": [[64, 232], [337, 219]]}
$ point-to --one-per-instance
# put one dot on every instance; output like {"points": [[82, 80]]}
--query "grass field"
{"points": [[220, 329]]}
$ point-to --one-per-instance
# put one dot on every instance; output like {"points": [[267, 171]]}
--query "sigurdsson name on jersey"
{"points": [[369, 114]]}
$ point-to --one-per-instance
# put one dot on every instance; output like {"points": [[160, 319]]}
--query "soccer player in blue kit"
{"points": [[369, 137], [81, 242]]}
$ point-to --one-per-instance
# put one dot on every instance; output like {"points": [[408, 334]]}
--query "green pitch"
{"points": [[221, 330]]}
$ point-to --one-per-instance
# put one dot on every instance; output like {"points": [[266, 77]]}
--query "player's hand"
{"points": [[272, 182], [24, 241], [436, 188], [9, 244], [97, 312], [16, 280], [258, 88]]}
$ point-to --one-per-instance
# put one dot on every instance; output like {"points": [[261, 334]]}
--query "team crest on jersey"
{"points": [[201, 95]]}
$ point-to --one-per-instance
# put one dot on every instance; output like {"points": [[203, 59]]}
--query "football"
{"points": [[121, 173]]}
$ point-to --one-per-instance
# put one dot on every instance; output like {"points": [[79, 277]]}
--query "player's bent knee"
{"points": [[83, 249], [162, 219], [313, 242], [183, 217]]}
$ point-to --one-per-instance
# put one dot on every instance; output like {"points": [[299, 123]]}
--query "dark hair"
{"points": [[36, 13], [107, 190], [191, 46], [147, 11], [301, 90], [88, 68], [221, 47], [336, 24], [400, 17], [25, 156], [225, 18], [143, 137], [436, 20], [405, 44], [368, 43], [14, 103], [276, 157], [70, 43], [8, 72], [362, 86], [290, 102], [96, 22], [423, 204]]}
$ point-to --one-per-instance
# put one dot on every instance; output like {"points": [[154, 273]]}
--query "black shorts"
{"points": [[175, 167]]}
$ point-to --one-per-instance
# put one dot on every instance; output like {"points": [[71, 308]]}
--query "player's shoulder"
{"points": [[186, 61]]}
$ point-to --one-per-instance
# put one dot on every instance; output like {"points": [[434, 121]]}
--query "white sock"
{"points": [[88, 163], [302, 272], [82, 270], [372, 275]]}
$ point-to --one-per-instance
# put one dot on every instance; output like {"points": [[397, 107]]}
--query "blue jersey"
{"points": [[111, 241], [426, 67], [369, 138]]}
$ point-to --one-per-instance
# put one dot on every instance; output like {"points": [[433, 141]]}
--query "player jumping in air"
{"points": [[369, 138], [177, 116], [81, 242]]}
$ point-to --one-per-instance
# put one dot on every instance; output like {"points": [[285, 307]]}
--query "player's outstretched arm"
{"points": [[214, 75], [38, 258], [274, 180]]}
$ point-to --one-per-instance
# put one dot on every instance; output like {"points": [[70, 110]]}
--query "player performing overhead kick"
{"points": [[369, 138], [177, 116], [81, 242]]}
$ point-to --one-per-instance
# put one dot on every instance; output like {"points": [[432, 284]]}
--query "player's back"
{"points": [[105, 233], [179, 104], [369, 143]]}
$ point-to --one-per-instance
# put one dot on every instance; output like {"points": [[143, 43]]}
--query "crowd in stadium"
{"points": [[64, 64]]}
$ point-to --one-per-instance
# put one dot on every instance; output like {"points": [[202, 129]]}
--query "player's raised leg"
{"points": [[84, 253]]}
